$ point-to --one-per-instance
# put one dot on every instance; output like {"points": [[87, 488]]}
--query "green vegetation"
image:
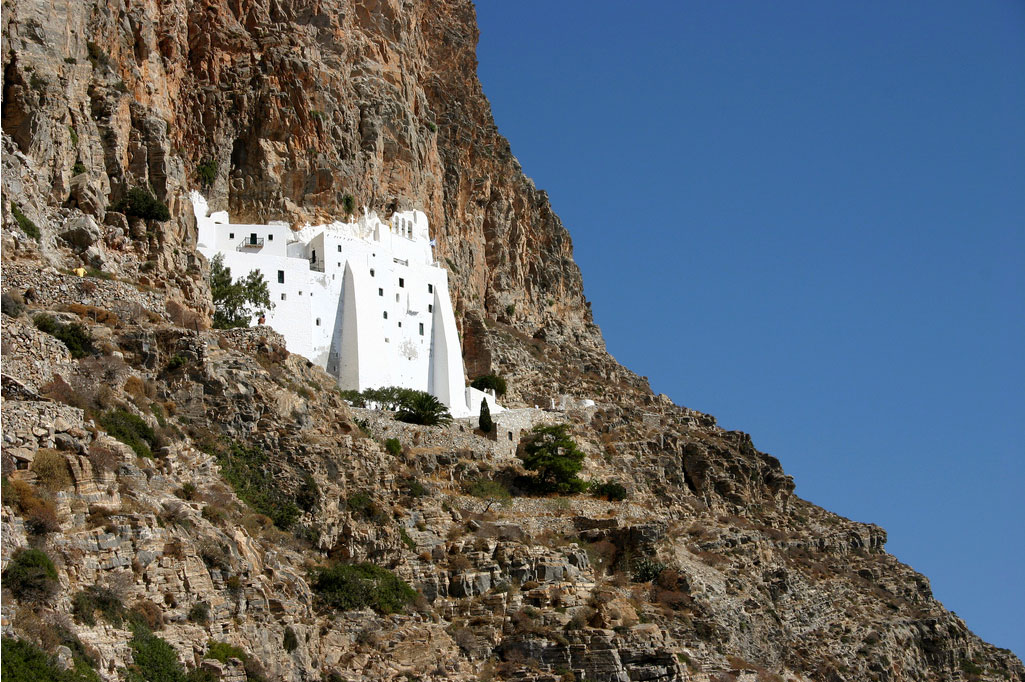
{"points": [[290, 643], [423, 408], [207, 172], [71, 131], [222, 651], [348, 587], [485, 422], [348, 203], [432, 126], [86, 603], [74, 335], [79, 168], [490, 491], [31, 576], [510, 310], [131, 430], [555, 458], [26, 225], [25, 662], [248, 470], [393, 446], [140, 203], [236, 303], [154, 660], [613, 491], [491, 382], [200, 613]]}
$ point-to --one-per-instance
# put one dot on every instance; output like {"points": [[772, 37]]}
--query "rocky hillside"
{"points": [[180, 501]]}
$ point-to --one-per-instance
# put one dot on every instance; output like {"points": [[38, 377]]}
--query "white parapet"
{"points": [[366, 301]]}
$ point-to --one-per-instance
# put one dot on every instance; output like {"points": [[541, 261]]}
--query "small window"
{"points": [[402, 282], [339, 265], [270, 237], [281, 276], [510, 435], [282, 297], [400, 324], [396, 298], [318, 321], [339, 248], [430, 288], [231, 235], [371, 272], [430, 307], [421, 329], [380, 292], [386, 314], [252, 239]]}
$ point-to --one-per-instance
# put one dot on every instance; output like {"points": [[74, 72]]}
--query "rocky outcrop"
{"points": [[255, 471]]}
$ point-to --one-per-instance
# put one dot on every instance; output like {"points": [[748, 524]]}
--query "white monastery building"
{"points": [[366, 301]]}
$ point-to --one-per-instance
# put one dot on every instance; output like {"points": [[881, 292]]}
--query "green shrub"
{"points": [[200, 613], [74, 335], [413, 487], [154, 660], [248, 470], [176, 362], [510, 309], [612, 491], [646, 570], [140, 203], [485, 422], [187, 491], [361, 504], [26, 225], [78, 168], [555, 458], [207, 172], [131, 430], [222, 651], [31, 576], [491, 382], [357, 586], [490, 491], [393, 446], [290, 642], [86, 603], [348, 204], [25, 662]]}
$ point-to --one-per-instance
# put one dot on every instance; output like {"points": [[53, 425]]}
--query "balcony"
{"points": [[251, 243], [317, 265]]}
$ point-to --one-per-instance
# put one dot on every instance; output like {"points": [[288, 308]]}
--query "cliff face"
{"points": [[709, 570], [301, 106]]}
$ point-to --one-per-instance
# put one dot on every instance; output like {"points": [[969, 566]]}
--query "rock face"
{"points": [[254, 471]]}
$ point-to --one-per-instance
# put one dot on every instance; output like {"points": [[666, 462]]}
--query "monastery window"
{"points": [[371, 272], [231, 235], [252, 238], [281, 276], [430, 288], [386, 314], [300, 293], [270, 237], [396, 298], [282, 297], [339, 248], [421, 329], [400, 324], [318, 321], [430, 307], [380, 292], [402, 282]]}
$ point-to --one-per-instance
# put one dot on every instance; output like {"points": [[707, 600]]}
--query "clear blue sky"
{"points": [[807, 219]]}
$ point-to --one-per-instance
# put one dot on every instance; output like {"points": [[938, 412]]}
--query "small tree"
{"points": [[490, 381], [555, 458], [491, 492], [420, 407], [487, 425], [236, 303]]}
